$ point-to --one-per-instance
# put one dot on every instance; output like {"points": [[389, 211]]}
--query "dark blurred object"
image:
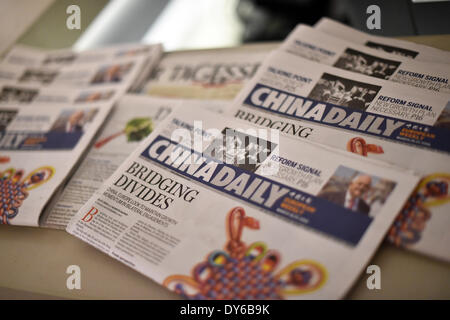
{"points": [[398, 17], [267, 20], [273, 19]]}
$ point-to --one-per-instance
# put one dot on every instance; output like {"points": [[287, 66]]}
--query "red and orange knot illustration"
{"points": [[14, 189], [358, 145], [4, 159], [246, 272], [411, 221]]}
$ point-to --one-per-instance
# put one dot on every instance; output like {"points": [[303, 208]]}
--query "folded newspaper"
{"points": [[132, 120], [48, 118], [395, 46], [315, 45], [214, 209], [39, 147], [203, 74], [374, 118], [64, 76], [116, 71], [26, 56]]}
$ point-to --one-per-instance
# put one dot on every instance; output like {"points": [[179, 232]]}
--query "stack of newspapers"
{"points": [[234, 174]]}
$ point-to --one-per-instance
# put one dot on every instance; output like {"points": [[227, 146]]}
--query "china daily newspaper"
{"points": [[395, 46], [133, 118], [315, 45], [374, 118], [216, 209]]}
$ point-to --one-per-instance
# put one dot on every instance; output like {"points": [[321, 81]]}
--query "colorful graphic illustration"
{"points": [[136, 129], [358, 145], [246, 272], [14, 190], [410, 223]]}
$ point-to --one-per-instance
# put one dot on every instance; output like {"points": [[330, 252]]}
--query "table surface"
{"points": [[34, 261]]}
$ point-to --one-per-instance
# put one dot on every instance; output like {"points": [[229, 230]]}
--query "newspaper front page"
{"points": [[39, 146], [318, 46], [394, 46], [134, 117], [216, 209], [374, 118], [203, 75]]}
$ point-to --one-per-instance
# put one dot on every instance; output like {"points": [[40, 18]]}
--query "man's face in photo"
{"points": [[359, 186]]}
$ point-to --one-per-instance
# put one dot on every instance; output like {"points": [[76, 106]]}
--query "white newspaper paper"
{"points": [[261, 224], [12, 92], [133, 119], [39, 147], [318, 46], [203, 75], [117, 72], [399, 47], [404, 126]]}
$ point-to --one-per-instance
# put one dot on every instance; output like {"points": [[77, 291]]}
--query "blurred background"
{"points": [[200, 24]]}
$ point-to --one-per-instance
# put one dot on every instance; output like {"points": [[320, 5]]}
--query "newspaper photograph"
{"points": [[284, 95], [317, 46], [199, 205], [39, 146], [398, 47], [133, 118], [203, 74]]}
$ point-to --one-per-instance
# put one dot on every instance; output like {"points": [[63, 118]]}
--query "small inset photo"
{"points": [[394, 50], [241, 149], [92, 96], [38, 75], [344, 92], [367, 64], [111, 73], [6, 116], [357, 191], [444, 118], [71, 120]]}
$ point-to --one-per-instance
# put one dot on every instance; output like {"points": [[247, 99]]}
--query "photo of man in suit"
{"points": [[71, 121], [353, 197]]}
